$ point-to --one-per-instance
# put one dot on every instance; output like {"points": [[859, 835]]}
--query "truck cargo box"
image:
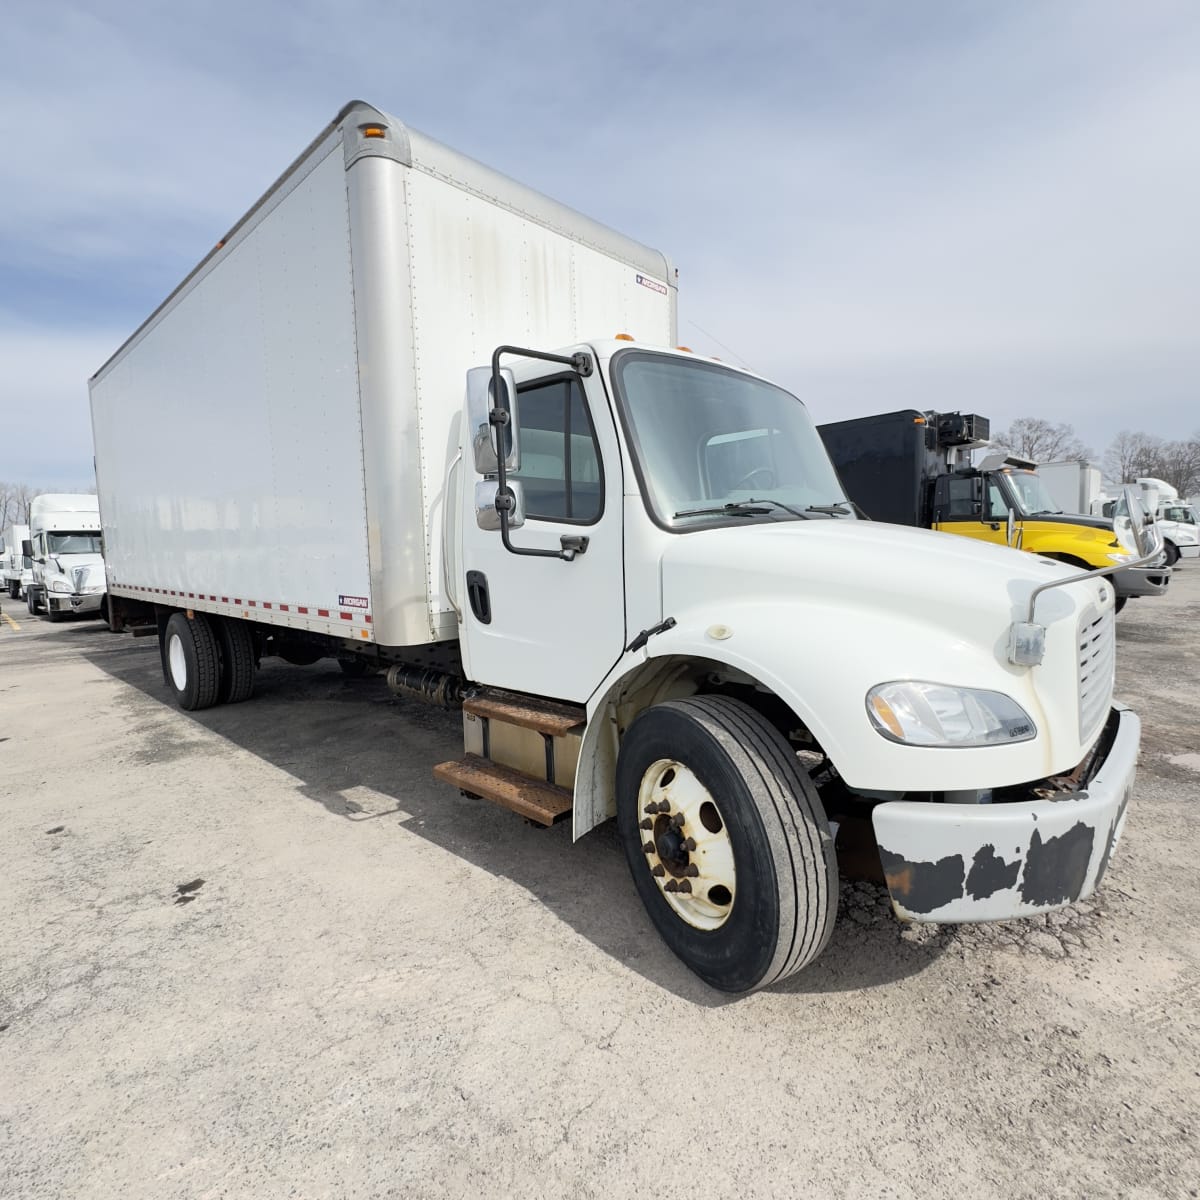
{"points": [[271, 442]]}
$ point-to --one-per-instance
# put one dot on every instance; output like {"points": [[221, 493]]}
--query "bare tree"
{"points": [[1130, 455], [1040, 441]]}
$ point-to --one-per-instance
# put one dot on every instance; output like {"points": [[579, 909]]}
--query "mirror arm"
{"points": [[581, 364]]}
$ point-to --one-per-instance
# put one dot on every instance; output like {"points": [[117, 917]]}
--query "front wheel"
{"points": [[727, 841], [1172, 553]]}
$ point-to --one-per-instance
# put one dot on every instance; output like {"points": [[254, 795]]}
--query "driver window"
{"points": [[997, 507]]}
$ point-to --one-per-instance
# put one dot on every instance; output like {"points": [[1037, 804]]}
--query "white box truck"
{"points": [[1073, 486], [64, 548], [630, 566], [16, 568]]}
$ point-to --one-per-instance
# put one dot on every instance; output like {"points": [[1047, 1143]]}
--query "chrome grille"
{"points": [[1097, 664]]}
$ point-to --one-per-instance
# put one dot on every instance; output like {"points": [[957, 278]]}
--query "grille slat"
{"points": [[1097, 662]]}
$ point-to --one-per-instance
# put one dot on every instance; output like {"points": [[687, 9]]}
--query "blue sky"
{"points": [[956, 205]]}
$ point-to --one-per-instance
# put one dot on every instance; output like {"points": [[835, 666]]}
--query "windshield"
{"points": [[705, 437], [73, 543], [1032, 493]]}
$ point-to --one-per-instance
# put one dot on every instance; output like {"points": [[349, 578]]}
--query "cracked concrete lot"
{"points": [[257, 952]]}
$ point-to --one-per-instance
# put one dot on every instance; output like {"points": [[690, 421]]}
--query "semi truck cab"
{"points": [[65, 549]]}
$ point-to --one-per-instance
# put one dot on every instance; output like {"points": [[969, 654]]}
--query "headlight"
{"points": [[59, 585], [1121, 557], [936, 714]]}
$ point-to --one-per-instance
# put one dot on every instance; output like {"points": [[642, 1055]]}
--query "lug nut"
{"points": [[659, 871], [664, 806], [647, 824], [689, 843], [651, 808], [685, 885], [672, 886], [693, 870], [677, 821], [648, 847]]}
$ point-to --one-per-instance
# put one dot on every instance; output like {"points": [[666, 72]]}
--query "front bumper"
{"points": [[65, 602], [1141, 581], [1188, 551], [992, 862]]}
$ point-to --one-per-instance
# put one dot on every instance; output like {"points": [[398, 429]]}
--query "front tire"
{"points": [[727, 841], [1172, 553], [191, 658]]}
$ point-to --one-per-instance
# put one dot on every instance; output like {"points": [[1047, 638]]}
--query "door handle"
{"points": [[479, 596]]}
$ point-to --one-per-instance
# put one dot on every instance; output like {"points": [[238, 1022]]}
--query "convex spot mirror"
{"points": [[1135, 528], [480, 402], [487, 515]]}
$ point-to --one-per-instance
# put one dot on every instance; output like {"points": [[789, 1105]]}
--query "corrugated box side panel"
{"points": [[228, 438]]}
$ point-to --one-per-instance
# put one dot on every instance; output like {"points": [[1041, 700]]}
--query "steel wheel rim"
{"points": [[686, 844], [177, 662]]}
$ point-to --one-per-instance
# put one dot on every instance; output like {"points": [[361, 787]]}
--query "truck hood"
{"points": [[860, 562], [82, 571], [821, 611]]}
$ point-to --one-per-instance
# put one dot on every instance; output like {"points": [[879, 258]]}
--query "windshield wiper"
{"points": [[830, 510], [739, 508], [743, 508]]}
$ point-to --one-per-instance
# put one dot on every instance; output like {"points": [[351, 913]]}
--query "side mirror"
{"points": [[487, 514], [1135, 528], [480, 402], [1013, 535], [27, 549]]}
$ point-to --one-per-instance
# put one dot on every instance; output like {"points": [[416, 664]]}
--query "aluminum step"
{"points": [[534, 799], [545, 716]]}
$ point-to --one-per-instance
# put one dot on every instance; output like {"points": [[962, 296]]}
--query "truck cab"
{"points": [[915, 468], [16, 567], [64, 547]]}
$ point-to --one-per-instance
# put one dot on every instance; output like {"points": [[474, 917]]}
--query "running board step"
{"points": [[534, 799], [545, 716]]}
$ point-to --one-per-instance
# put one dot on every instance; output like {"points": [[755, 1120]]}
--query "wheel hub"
{"points": [[686, 844]]}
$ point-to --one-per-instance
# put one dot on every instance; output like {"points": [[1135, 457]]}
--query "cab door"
{"points": [[544, 625], [972, 506]]}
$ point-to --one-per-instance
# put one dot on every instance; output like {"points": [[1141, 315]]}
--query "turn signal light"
{"points": [[623, 337], [687, 349]]}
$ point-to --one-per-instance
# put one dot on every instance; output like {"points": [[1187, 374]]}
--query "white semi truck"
{"points": [[631, 567], [64, 548], [16, 568]]}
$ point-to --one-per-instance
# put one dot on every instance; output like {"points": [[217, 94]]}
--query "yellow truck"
{"points": [[914, 468]]}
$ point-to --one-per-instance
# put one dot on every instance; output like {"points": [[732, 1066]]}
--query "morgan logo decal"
{"points": [[353, 602], [652, 284]]}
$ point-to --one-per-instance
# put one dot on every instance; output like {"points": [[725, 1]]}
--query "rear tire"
{"points": [[743, 839], [235, 644], [191, 657]]}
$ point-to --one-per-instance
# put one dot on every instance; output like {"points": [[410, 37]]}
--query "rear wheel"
{"points": [[191, 657], [727, 841], [235, 644]]}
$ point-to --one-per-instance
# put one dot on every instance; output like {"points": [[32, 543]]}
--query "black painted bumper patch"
{"points": [[1055, 869], [990, 873], [920, 887]]}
